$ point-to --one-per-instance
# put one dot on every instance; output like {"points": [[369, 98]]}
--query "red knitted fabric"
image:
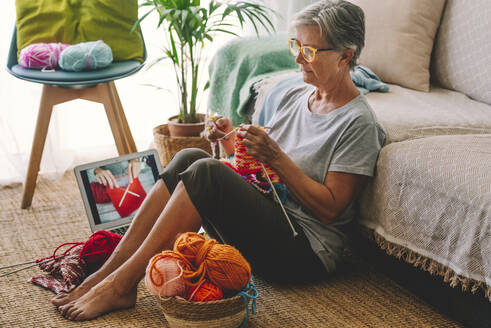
{"points": [[99, 192], [98, 248], [127, 200], [65, 271]]}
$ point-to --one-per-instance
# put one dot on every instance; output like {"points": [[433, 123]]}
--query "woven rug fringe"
{"points": [[429, 265]]}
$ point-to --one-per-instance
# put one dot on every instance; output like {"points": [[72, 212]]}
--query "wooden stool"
{"points": [[104, 93]]}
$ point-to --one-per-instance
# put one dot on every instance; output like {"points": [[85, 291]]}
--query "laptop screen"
{"points": [[113, 190]]}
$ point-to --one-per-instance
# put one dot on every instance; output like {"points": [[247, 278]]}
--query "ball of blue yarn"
{"points": [[86, 56]]}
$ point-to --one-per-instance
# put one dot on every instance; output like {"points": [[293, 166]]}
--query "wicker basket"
{"points": [[167, 146], [226, 313], [230, 312]]}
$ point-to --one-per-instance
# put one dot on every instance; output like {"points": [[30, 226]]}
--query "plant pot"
{"points": [[186, 129], [168, 146]]}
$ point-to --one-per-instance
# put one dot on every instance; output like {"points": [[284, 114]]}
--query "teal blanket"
{"points": [[238, 65]]}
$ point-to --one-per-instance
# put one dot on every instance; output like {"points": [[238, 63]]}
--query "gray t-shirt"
{"points": [[347, 139]]}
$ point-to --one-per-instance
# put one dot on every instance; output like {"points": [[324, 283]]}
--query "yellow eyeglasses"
{"points": [[308, 53]]}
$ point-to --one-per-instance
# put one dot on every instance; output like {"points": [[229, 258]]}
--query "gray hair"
{"points": [[340, 22]]}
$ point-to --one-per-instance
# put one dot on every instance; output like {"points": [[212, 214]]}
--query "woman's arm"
{"points": [[325, 201]]}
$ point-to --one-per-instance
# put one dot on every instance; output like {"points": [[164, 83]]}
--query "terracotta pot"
{"points": [[186, 129]]}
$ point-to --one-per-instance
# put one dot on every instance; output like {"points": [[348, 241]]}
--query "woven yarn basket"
{"points": [[225, 313], [167, 146]]}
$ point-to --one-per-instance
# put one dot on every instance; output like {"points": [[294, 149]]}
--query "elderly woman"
{"points": [[323, 143]]}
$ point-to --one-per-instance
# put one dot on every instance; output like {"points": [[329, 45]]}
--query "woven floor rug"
{"points": [[356, 296]]}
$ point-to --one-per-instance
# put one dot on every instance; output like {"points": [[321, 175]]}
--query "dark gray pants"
{"points": [[234, 212]]}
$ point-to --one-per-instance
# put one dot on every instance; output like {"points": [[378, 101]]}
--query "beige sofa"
{"points": [[430, 202]]}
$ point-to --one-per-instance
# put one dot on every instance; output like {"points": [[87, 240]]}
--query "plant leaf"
{"points": [[137, 23], [148, 65]]}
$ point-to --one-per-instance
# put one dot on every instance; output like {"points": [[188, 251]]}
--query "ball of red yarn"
{"points": [[98, 248], [205, 292]]}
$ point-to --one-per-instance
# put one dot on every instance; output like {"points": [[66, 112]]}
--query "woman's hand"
{"points": [[259, 144], [134, 169], [105, 177], [217, 127]]}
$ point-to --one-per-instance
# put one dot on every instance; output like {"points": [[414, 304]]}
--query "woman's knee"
{"points": [[184, 158], [179, 163], [189, 155], [207, 168], [204, 175]]}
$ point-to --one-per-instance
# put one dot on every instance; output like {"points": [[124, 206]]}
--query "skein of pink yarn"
{"points": [[41, 55], [163, 277]]}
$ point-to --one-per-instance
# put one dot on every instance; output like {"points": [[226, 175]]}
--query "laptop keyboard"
{"points": [[121, 230]]}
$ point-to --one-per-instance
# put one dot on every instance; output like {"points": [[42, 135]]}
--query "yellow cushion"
{"points": [[75, 21]]}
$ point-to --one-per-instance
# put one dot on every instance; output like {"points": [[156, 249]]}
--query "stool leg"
{"points": [[113, 117], [126, 129], [42, 124]]}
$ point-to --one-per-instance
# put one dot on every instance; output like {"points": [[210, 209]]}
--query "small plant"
{"points": [[188, 27]]}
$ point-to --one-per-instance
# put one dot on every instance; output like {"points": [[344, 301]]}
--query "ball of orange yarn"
{"points": [[188, 244], [163, 277], [221, 264], [205, 292]]}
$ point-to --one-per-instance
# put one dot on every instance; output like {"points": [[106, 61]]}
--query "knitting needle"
{"points": [[20, 269], [225, 136], [33, 263], [133, 193], [295, 233], [28, 262], [124, 195], [14, 265]]}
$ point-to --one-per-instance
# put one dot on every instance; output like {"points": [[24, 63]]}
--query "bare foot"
{"points": [[79, 291], [101, 299]]}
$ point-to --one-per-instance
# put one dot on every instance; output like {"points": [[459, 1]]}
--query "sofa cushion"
{"points": [[75, 21], [462, 54], [432, 196], [409, 114], [399, 39]]}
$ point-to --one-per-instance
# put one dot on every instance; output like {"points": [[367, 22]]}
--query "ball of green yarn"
{"points": [[86, 56]]}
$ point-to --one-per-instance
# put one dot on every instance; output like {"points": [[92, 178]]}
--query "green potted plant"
{"points": [[189, 27]]}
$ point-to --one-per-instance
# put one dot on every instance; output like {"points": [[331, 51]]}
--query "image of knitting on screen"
{"points": [[321, 144], [118, 189]]}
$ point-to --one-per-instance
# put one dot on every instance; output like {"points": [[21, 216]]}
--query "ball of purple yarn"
{"points": [[41, 55]]}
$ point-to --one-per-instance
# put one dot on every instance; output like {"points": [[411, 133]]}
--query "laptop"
{"points": [[113, 190]]}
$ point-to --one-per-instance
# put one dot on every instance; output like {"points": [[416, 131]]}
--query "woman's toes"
{"points": [[69, 313], [65, 308], [79, 316], [73, 315]]}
